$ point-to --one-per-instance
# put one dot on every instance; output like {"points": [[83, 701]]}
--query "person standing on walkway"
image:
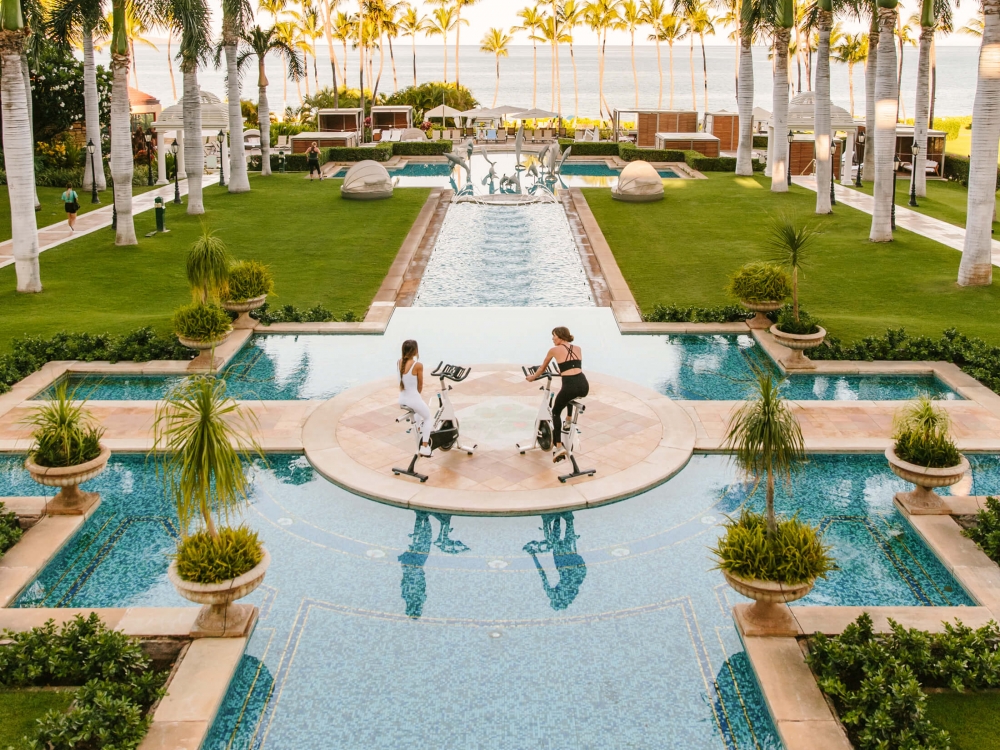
{"points": [[313, 159], [72, 203]]}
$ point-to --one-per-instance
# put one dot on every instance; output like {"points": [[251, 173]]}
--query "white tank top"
{"points": [[409, 380]]}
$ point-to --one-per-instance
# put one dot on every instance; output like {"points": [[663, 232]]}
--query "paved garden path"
{"points": [[56, 234], [934, 229]]}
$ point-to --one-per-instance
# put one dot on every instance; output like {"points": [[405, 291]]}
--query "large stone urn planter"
{"points": [[244, 321], [798, 343], [760, 321], [69, 501], [220, 618], [206, 360], [923, 500], [767, 615]]}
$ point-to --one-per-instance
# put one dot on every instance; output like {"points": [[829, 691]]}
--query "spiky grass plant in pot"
{"points": [[248, 285], [201, 440], [203, 324], [795, 329], [762, 288]]}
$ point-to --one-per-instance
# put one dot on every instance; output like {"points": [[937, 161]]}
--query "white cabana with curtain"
{"points": [[214, 117], [801, 118]]}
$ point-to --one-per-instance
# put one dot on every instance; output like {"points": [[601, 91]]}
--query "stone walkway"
{"points": [[57, 234], [926, 226]]}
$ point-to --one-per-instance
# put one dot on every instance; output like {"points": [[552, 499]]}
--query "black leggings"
{"points": [[573, 386], [314, 166]]}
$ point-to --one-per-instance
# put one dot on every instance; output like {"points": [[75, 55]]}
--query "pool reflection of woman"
{"points": [[413, 587], [571, 567], [574, 383]]}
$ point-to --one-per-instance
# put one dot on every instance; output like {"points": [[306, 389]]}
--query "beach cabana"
{"points": [[649, 122], [214, 117], [392, 117], [802, 152], [704, 143], [725, 126], [342, 126]]}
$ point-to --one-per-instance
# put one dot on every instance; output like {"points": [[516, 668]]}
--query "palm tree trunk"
{"points": [[446, 58], [576, 89], [413, 50], [977, 267], [670, 55], [885, 126], [704, 71], [345, 62], [239, 181], [170, 66], [121, 150], [392, 58], [194, 150], [264, 123], [135, 68], [496, 90], [26, 75], [850, 85], [20, 164], [659, 70], [821, 116], [779, 108], [918, 175], [600, 77], [744, 149], [458, 36], [871, 70], [694, 89], [635, 75], [933, 94], [328, 33], [92, 115], [899, 70], [534, 73]]}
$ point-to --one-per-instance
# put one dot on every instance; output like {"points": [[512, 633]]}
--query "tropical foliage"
{"points": [[922, 436], [10, 529], [760, 282], [248, 279], [208, 263], [201, 321], [202, 558], [794, 553], [791, 244], [985, 531], [63, 431]]}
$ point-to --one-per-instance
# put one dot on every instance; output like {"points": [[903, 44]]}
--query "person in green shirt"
{"points": [[71, 201]]}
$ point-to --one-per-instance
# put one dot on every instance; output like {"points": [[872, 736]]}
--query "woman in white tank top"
{"points": [[411, 383]]}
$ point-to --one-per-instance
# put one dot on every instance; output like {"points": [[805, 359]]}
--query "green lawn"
{"points": [[946, 201], [20, 709], [52, 206], [972, 719], [682, 251], [321, 249]]}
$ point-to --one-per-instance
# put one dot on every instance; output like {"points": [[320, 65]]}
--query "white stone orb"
{"points": [[366, 181], [639, 182]]}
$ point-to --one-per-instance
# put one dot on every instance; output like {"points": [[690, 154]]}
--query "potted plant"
{"points": [[66, 452], [761, 288], [248, 285], [202, 326], [201, 438], [794, 330], [924, 453], [770, 560]]}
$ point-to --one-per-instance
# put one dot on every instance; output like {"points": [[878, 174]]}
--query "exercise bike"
{"points": [[543, 423], [444, 432]]}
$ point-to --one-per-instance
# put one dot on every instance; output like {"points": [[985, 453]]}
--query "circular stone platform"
{"points": [[634, 437]]}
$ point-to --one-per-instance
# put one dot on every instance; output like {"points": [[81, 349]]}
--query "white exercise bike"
{"points": [[444, 433], [543, 423]]}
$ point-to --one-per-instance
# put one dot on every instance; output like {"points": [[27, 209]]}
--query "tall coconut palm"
{"points": [[442, 21], [603, 16], [79, 21], [904, 36], [632, 19], [459, 4], [343, 31], [258, 44], [18, 148], [329, 7], [977, 267], [670, 29], [945, 25], [532, 21], [974, 27], [932, 13], [236, 17], [193, 25], [784, 19], [289, 36], [412, 23], [886, 97], [551, 30], [122, 166], [700, 22], [572, 15], [652, 13], [496, 42], [850, 49], [871, 71], [823, 132], [752, 20]]}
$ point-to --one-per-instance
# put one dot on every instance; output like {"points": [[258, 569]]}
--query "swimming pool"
{"points": [[471, 630]]}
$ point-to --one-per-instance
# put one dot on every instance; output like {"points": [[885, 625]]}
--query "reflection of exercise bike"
{"points": [[444, 433], [543, 423]]}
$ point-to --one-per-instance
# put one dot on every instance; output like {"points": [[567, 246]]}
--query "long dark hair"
{"points": [[409, 352]]}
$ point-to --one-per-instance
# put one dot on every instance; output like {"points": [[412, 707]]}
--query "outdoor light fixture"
{"points": [[91, 148], [177, 191], [914, 149], [149, 155], [895, 169], [833, 180], [861, 145], [788, 158], [221, 138]]}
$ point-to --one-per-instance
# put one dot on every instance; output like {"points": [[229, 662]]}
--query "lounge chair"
{"points": [[548, 134], [283, 143], [491, 136], [435, 135], [501, 136]]}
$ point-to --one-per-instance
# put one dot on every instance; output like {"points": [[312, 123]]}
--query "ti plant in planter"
{"points": [[203, 325], [762, 288], [67, 451], [795, 330], [248, 285], [924, 453], [769, 559], [201, 438]]}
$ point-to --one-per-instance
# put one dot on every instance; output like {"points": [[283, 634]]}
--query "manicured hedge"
{"points": [[589, 148], [628, 152], [300, 162], [956, 169], [704, 163], [760, 141], [381, 152], [421, 148]]}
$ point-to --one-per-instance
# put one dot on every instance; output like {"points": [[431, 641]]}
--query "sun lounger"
{"points": [[930, 167]]}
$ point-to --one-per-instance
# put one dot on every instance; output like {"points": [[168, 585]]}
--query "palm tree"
{"points": [[886, 97], [871, 70], [343, 32], [922, 103], [18, 148], [136, 26], [784, 19], [259, 43], [328, 7], [80, 20], [670, 29], [751, 20], [602, 17], [977, 268], [652, 13], [632, 19], [700, 22], [945, 25], [442, 21], [236, 17], [821, 109], [496, 42], [289, 36], [412, 23], [390, 24], [974, 27], [851, 49], [459, 4], [121, 132], [532, 21], [904, 36], [571, 15]]}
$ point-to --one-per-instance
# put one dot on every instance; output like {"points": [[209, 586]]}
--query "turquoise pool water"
{"points": [[282, 367], [383, 627]]}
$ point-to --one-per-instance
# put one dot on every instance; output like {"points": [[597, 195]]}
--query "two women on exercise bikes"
{"points": [[569, 359]]}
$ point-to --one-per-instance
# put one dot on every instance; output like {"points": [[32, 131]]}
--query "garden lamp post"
{"points": [[177, 191], [281, 159], [221, 137], [861, 145], [148, 135], [895, 170], [914, 149], [833, 181], [91, 148], [788, 158]]}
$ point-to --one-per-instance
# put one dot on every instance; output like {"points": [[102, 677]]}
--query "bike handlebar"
{"points": [[550, 372], [451, 372]]}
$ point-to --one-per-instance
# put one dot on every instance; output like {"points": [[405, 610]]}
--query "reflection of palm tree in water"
{"points": [[414, 584], [571, 567]]}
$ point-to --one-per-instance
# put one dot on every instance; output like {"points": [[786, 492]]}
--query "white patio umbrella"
{"points": [[443, 111], [534, 114]]}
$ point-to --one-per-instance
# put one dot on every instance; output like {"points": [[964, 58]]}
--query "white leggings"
{"points": [[421, 415]]}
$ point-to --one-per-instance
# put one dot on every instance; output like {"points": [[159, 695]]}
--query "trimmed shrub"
{"points": [[704, 163], [676, 314], [249, 279], [986, 531], [628, 152], [956, 169], [421, 148], [804, 326], [381, 152], [760, 282], [596, 148], [202, 558], [290, 314], [201, 322], [10, 529], [760, 141]]}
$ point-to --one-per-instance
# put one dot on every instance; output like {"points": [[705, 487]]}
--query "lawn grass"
{"points": [[20, 709], [682, 251], [321, 249], [53, 210], [946, 201], [972, 719]]}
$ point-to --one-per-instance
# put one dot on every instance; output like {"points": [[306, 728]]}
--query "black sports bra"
{"points": [[571, 364]]}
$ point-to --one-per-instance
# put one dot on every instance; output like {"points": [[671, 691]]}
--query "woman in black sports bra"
{"points": [[574, 382]]}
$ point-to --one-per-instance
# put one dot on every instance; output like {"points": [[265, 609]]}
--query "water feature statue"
{"points": [[561, 542], [518, 144], [562, 160], [463, 163]]}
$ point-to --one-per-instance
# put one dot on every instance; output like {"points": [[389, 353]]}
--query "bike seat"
{"points": [[577, 405], [451, 372]]}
